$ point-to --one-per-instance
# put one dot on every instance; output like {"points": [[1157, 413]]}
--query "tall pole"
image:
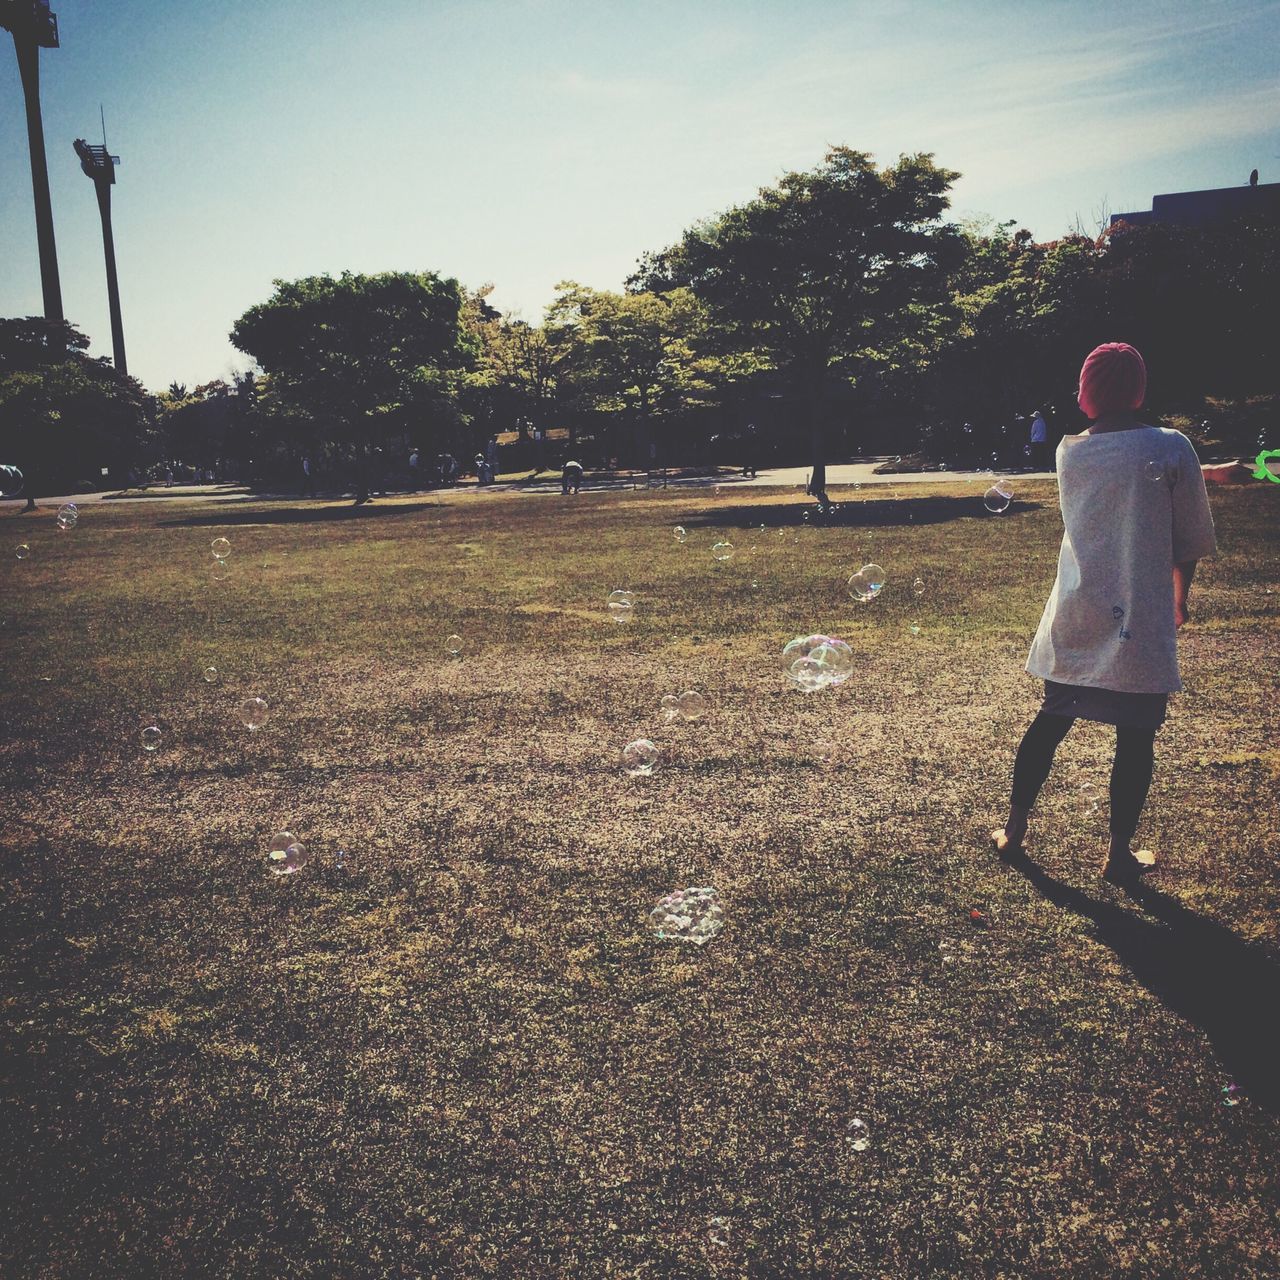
{"points": [[32, 26], [99, 165]]}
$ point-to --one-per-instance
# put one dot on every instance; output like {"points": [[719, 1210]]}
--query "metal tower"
{"points": [[100, 165], [34, 28]]}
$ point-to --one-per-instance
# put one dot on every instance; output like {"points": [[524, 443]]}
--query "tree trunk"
{"points": [[812, 394]]}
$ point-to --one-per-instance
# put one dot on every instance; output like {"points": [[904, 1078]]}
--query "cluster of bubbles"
{"points": [[639, 757], [688, 915], [68, 516], [815, 662], [11, 482], [689, 705], [997, 498], [621, 604], [867, 583], [286, 854]]}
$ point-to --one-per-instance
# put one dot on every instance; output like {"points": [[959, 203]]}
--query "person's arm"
{"points": [[1183, 572]]}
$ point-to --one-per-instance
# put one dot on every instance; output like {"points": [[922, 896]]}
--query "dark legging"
{"points": [[1130, 774]]}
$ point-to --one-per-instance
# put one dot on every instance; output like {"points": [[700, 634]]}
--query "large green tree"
{"points": [[359, 358], [633, 354], [63, 414], [833, 272]]}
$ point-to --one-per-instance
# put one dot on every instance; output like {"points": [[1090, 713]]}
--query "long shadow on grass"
{"points": [[871, 514], [297, 515], [1228, 987]]}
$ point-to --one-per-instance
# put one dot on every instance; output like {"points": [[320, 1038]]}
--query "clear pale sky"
{"points": [[524, 142]]}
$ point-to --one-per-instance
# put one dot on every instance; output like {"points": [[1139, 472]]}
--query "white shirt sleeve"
{"points": [[1193, 536]]}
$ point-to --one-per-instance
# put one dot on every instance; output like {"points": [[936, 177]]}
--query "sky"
{"points": [[526, 142]]}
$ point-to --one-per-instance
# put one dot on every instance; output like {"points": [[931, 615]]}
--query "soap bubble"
{"points": [[915, 630], [718, 1232], [814, 662], [639, 757], [221, 548], [22, 551], [151, 738], [346, 860], [692, 704], [1089, 795], [68, 516], [453, 646], [253, 711], [688, 915], [723, 551], [681, 533], [859, 1134], [620, 605], [1155, 470], [286, 854], [867, 583], [917, 588], [997, 499], [210, 675], [670, 708], [1230, 1096], [11, 482]]}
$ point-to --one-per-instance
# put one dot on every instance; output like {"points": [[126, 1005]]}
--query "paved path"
{"points": [[859, 471]]}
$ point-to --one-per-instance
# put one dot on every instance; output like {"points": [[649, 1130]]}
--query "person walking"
{"points": [[1136, 521], [308, 485], [1040, 457]]}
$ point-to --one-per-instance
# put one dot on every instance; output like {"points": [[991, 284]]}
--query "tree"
{"points": [[63, 415], [633, 353], [360, 358], [835, 271]]}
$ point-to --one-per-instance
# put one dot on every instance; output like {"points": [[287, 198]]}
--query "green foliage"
{"points": [[359, 359], [63, 415]]}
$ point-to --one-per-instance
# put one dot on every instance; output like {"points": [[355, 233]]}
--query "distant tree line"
{"points": [[837, 311]]}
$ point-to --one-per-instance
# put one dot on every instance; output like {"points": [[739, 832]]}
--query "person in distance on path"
{"points": [[1136, 520]]}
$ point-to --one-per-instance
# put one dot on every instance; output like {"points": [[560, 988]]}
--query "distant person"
{"points": [[308, 484], [491, 456], [415, 471], [571, 478], [168, 477], [750, 451], [1136, 520], [1041, 460]]}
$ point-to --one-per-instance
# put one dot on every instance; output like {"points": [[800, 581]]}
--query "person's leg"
{"points": [[1130, 782], [1030, 769]]}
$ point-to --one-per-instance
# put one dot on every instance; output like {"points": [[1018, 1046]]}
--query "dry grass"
{"points": [[467, 1057]]}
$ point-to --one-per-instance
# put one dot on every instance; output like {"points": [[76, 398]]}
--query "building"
{"points": [[1204, 208]]}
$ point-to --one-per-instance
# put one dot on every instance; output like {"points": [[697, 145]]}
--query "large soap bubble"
{"points": [[688, 915], [722, 551], [997, 498], [151, 738], [253, 711], [639, 757], [692, 704], [68, 516], [11, 482], [221, 548], [681, 533], [453, 646], [621, 604], [867, 583], [670, 708]]}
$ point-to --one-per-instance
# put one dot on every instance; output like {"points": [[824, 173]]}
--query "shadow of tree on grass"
{"points": [[878, 513], [296, 515], [1204, 972]]}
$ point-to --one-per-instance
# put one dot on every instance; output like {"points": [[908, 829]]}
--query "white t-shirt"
{"points": [[1133, 505]]}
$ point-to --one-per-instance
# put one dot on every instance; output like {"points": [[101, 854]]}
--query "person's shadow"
{"points": [[1201, 970]]}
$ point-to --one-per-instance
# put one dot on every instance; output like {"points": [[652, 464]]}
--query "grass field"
{"points": [[467, 1056]]}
